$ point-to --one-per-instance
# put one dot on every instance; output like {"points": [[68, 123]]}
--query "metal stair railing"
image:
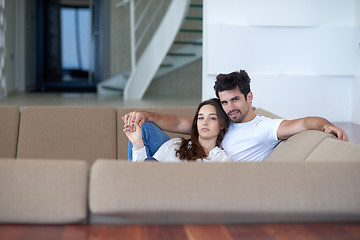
{"points": [[149, 43], [187, 47], [147, 65], [140, 31], [140, 10]]}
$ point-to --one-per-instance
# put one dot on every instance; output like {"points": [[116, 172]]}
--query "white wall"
{"points": [[356, 83], [357, 12], [302, 55]]}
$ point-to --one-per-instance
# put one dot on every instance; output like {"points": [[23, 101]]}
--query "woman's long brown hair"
{"points": [[191, 149]]}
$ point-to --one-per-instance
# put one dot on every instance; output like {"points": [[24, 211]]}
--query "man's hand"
{"points": [[166, 122], [135, 136], [338, 132], [135, 118]]}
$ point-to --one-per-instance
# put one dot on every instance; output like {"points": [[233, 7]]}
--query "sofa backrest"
{"points": [[263, 112], [90, 133], [9, 127], [85, 133], [122, 140]]}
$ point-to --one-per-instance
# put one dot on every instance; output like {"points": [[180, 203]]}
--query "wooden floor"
{"points": [[293, 231]]}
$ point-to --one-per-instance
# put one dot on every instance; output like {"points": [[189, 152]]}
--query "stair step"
{"points": [[112, 88], [191, 30], [194, 18], [181, 54], [188, 42], [166, 65], [196, 5]]}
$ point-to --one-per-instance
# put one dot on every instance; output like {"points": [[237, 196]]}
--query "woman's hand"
{"points": [[135, 137], [135, 118]]}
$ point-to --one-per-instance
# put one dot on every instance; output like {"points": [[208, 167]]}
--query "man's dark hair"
{"points": [[231, 81]]}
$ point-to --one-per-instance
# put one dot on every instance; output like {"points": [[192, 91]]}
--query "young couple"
{"points": [[248, 137]]}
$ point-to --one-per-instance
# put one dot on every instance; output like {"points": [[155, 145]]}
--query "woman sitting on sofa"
{"points": [[208, 130]]}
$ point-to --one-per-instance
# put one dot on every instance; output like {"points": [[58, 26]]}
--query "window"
{"points": [[75, 38]]}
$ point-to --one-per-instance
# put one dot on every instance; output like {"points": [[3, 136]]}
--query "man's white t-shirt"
{"points": [[251, 141]]}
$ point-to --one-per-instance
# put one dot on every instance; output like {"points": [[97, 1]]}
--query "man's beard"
{"points": [[237, 119], [240, 117]]}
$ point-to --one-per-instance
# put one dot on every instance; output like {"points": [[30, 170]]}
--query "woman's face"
{"points": [[207, 124]]}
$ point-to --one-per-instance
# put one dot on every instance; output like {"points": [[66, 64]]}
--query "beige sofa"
{"points": [[62, 165]]}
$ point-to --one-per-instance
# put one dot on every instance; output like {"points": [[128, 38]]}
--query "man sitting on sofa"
{"points": [[250, 137]]}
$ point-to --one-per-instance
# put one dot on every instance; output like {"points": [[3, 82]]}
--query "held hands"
{"points": [[338, 132], [135, 136], [134, 118]]}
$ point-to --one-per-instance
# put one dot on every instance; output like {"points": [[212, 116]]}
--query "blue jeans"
{"points": [[153, 138]]}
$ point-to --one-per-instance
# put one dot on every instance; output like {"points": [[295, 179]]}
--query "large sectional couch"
{"points": [[61, 165]]}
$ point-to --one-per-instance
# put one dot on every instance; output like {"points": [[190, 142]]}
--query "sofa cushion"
{"points": [[84, 133], [122, 140], [124, 192], [9, 126], [335, 150], [298, 147], [42, 191]]}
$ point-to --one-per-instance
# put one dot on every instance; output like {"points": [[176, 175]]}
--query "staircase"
{"points": [[176, 42], [187, 47]]}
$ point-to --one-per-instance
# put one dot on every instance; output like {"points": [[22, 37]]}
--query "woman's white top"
{"points": [[167, 153]]}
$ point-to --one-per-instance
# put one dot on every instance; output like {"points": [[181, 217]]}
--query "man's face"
{"points": [[234, 104]]}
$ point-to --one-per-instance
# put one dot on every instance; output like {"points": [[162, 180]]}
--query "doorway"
{"points": [[68, 45]]}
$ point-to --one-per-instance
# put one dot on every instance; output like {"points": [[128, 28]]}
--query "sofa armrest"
{"points": [[298, 147], [335, 150]]}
